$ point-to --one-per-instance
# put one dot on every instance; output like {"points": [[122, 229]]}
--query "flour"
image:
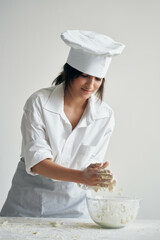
{"points": [[108, 208], [111, 187], [75, 229], [57, 224], [113, 212], [4, 223], [76, 237], [104, 175]]}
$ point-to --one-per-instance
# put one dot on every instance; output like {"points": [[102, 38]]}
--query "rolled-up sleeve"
{"points": [[35, 142]]}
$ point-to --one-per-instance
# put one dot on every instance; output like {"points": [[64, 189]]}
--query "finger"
{"points": [[97, 180], [104, 182], [100, 180], [107, 177], [95, 183], [103, 185], [105, 171], [114, 181], [105, 174], [104, 165], [99, 184], [95, 165]]}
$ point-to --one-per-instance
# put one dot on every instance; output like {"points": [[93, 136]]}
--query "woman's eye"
{"points": [[84, 75], [99, 79]]}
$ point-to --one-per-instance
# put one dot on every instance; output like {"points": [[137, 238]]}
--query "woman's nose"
{"points": [[90, 82]]}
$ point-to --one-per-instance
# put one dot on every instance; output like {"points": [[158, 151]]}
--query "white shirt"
{"points": [[47, 132]]}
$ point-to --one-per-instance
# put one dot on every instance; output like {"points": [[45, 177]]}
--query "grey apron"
{"points": [[38, 196]]}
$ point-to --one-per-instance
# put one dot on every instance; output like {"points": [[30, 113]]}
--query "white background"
{"points": [[32, 55]]}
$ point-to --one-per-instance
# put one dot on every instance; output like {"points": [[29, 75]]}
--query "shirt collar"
{"points": [[95, 109], [55, 102]]}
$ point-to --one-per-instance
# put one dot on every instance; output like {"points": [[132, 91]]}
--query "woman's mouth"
{"points": [[86, 90]]}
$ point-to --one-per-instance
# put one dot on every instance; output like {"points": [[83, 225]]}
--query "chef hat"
{"points": [[91, 52]]}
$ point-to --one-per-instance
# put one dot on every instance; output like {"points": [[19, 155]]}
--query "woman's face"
{"points": [[85, 85]]}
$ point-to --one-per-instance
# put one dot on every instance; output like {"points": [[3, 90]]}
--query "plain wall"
{"points": [[32, 54]]}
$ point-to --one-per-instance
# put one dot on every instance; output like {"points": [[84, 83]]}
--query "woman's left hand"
{"points": [[106, 174]]}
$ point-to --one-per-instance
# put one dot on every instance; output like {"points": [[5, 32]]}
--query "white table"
{"points": [[74, 229]]}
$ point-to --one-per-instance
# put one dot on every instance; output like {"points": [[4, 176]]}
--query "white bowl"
{"points": [[113, 212]]}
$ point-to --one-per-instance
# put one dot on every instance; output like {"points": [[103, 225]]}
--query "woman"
{"points": [[66, 130]]}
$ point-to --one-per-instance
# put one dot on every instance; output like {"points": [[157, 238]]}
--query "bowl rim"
{"points": [[114, 198]]}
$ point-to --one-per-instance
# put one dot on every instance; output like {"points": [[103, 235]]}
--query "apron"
{"points": [[38, 196]]}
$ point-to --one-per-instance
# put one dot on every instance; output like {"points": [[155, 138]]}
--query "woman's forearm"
{"points": [[50, 169]]}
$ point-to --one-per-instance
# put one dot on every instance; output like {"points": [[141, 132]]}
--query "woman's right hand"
{"points": [[94, 175]]}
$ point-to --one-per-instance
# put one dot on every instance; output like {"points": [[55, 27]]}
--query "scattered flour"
{"points": [[57, 224], [75, 237], [4, 223]]}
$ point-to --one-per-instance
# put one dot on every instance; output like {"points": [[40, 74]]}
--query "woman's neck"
{"points": [[74, 102]]}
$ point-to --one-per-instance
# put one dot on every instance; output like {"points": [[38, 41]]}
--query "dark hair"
{"points": [[69, 74]]}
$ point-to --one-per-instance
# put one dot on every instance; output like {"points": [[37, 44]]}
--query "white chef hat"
{"points": [[91, 52]]}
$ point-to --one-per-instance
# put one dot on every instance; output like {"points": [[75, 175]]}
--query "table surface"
{"points": [[74, 229]]}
